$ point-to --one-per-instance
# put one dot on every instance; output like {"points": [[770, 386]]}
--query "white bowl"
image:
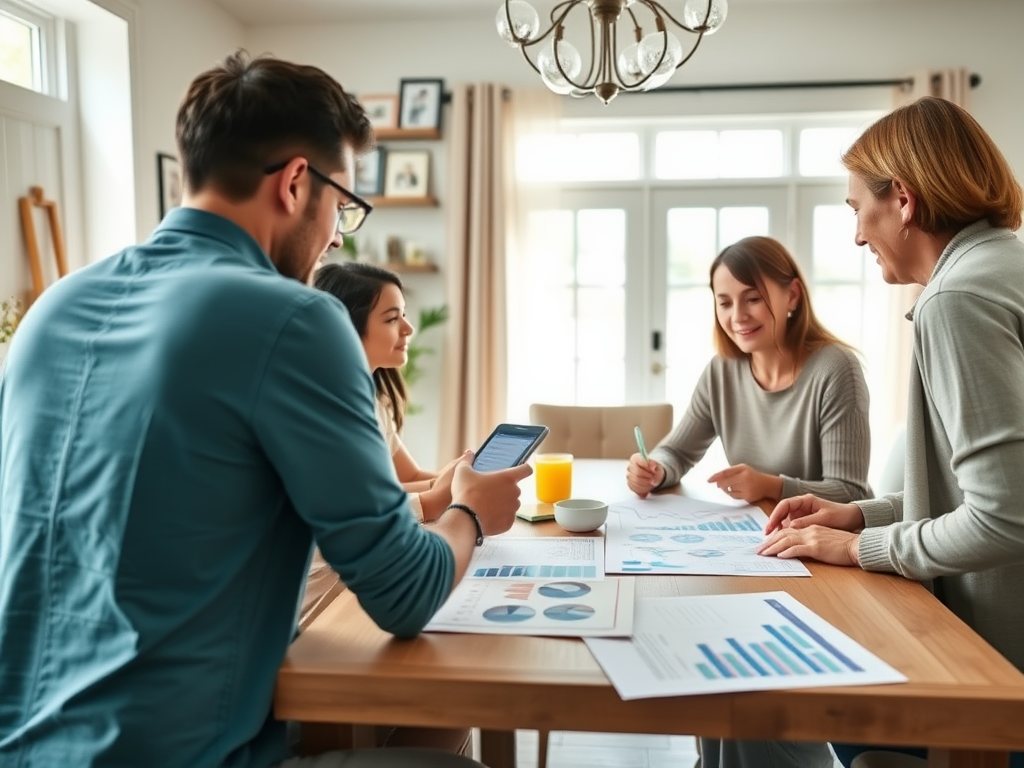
{"points": [[581, 515]]}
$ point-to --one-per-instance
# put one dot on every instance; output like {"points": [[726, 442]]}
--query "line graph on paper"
{"points": [[679, 535]]}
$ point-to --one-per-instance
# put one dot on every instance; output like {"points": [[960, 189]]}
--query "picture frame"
{"points": [[407, 173], [420, 103], [169, 182], [381, 109], [368, 179]]}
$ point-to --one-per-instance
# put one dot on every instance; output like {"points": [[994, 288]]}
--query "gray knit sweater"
{"points": [[960, 520], [814, 434]]}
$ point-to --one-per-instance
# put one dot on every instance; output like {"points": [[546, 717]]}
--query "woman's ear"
{"points": [[796, 295], [907, 201]]}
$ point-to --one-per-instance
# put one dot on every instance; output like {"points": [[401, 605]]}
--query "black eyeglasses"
{"points": [[351, 215]]}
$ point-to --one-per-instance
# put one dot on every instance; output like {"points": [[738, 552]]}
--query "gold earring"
{"points": [[905, 232]]}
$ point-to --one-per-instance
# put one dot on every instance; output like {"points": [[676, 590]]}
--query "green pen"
{"points": [[640, 442]]}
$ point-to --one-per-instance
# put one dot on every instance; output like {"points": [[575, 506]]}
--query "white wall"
{"points": [[760, 42], [176, 40]]}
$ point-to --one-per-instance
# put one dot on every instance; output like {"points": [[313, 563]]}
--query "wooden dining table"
{"points": [[963, 700]]}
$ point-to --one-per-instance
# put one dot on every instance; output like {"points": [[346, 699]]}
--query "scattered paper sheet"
{"points": [[680, 535], [560, 608], [719, 643], [564, 557]]}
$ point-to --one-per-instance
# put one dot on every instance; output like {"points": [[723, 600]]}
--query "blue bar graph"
{"points": [[537, 572], [786, 649], [746, 523]]}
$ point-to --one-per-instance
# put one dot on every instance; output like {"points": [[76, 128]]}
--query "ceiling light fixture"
{"points": [[646, 63]]}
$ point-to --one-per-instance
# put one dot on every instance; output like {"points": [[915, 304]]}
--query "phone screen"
{"points": [[502, 451]]}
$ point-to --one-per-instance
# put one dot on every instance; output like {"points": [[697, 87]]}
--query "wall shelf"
{"points": [[401, 266], [379, 201], [411, 134]]}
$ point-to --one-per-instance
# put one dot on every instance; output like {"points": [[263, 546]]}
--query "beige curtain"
{"points": [[953, 85], [473, 385]]}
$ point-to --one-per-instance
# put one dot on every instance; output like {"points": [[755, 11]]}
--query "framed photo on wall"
{"points": [[169, 181], [381, 109], [369, 175], [407, 174], [420, 103]]}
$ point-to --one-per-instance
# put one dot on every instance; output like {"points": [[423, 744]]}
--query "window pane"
{"points": [[607, 157], [736, 223], [16, 52], [691, 244], [841, 310], [601, 382], [836, 255], [820, 149], [750, 154], [688, 344], [544, 157], [549, 337], [602, 247], [601, 324], [579, 157], [550, 247], [686, 155]]}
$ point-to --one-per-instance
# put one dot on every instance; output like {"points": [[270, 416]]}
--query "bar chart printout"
{"points": [[720, 643], [552, 557]]}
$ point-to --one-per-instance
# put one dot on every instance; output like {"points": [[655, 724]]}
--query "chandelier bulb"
{"points": [[651, 48], [525, 22], [695, 11]]}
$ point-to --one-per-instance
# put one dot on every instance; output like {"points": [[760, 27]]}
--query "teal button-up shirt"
{"points": [[178, 423]]}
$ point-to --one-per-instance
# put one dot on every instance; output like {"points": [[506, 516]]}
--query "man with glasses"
{"points": [[178, 424]]}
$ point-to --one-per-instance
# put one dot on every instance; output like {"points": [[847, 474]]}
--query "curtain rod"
{"points": [[975, 81]]}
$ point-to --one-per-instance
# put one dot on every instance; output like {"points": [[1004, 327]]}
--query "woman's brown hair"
{"points": [[946, 159], [753, 261], [359, 287]]}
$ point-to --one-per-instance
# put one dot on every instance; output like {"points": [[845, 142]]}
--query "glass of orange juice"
{"points": [[554, 476]]}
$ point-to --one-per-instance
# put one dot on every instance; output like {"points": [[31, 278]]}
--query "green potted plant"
{"points": [[412, 371]]}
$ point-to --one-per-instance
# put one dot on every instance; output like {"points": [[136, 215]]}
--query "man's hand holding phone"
{"points": [[493, 495]]}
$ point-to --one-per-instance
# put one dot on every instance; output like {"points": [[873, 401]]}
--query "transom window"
{"points": [[25, 48]]}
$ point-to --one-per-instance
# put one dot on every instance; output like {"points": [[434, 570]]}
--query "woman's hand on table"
{"points": [[744, 482], [807, 510], [817, 542], [643, 475]]}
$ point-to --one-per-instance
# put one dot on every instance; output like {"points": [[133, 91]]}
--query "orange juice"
{"points": [[554, 476]]}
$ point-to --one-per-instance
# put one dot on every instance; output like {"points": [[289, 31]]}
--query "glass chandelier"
{"points": [[645, 63]]}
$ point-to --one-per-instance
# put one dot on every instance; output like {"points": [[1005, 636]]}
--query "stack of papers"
{"points": [[680, 535], [720, 643]]}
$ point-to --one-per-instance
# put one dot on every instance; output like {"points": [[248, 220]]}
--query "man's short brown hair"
{"points": [[247, 113]]}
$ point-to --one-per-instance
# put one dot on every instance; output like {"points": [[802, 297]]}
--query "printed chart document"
{"points": [[680, 535], [559, 608], [568, 557], [720, 643]]}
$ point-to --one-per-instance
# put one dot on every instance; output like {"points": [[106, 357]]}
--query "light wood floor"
{"points": [[569, 749]]}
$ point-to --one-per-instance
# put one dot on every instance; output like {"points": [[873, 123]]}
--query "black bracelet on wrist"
{"points": [[476, 520]]}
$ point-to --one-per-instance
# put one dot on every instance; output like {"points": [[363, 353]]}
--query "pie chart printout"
{"points": [[564, 590], [509, 614], [569, 612]]}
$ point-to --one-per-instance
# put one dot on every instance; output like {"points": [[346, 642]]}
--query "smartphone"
{"points": [[508, 446]]}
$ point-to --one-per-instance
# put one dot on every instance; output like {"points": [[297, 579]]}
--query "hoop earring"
{"points": [[905, 232]]}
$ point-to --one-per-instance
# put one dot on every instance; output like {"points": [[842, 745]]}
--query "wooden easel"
{"points": [[37, 199]]}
